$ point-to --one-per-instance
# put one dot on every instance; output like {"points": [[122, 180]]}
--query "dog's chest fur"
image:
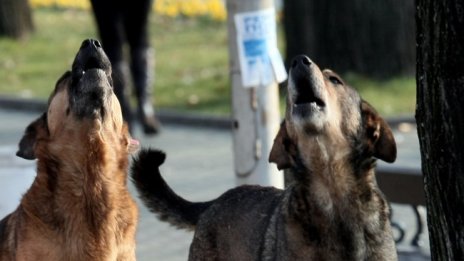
{"points": [[293, 225], [80, 210], [306, 226]]}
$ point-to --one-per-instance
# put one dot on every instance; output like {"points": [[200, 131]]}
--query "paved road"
{"points": [[198, 167]]}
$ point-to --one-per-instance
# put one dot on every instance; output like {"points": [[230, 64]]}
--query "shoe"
{"points": [[146, 113]]}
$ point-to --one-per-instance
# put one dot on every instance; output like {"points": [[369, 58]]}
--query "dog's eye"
{"points": [[335, 80]]}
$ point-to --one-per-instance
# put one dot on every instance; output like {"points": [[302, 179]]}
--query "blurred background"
{"points": [[370, 43]]}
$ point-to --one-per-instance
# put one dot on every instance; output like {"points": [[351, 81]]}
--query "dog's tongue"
{"points": [[134, 145]]}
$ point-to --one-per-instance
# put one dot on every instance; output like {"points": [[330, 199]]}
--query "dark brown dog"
{"points": [[78, 207], [333, 209]]}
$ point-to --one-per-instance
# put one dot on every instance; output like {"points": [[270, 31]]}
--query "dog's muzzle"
{"points": [[306, 85], [91, 82]]}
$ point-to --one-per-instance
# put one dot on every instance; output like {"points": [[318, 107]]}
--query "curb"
{"points": [[22, 104], [165, 116]]}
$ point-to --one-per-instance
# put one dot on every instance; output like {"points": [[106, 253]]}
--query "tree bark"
{"points": [[369, 37], [440, 120], [15, 18]]}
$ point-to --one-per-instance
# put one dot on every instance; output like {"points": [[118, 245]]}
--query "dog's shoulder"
{"points": [[253, 198], [4, 242], [251, 192], [4, 228]]}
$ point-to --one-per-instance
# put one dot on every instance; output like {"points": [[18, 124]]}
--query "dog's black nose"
{"points": [[301, 60], [90, 43]]}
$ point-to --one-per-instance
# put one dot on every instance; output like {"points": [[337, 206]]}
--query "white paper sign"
{"points": [[260, 60]]}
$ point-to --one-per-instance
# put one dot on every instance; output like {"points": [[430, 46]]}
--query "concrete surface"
{"points": [[199, 166]]}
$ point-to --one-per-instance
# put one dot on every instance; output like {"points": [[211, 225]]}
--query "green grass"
{"points": [[395, 96], [31, 67], [191, 64]]}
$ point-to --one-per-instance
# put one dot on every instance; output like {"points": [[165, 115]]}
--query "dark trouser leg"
{"points": [[120, 76], [109, 19], [142, 67], [136, 18]]}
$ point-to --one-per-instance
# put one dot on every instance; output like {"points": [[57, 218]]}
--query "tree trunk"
{"points": [[440, 121], [15, 18], [369, 37]]}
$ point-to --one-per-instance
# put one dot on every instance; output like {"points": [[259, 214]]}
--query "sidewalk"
{"points": [[199, 166]]}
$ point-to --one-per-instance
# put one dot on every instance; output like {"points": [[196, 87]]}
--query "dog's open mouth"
{"points": [[307, 99], [305, 86], [305, 94], [87, 64], [91, 80], [93, 63]]}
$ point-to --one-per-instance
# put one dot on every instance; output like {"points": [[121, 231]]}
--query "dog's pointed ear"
{"points": [[279, 154], [28, 141], [380, 139]]}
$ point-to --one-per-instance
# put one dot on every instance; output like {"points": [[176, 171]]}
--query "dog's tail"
{"points": [[158, 196]]}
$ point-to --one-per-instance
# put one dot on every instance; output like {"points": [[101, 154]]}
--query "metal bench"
{"points": [[404, 186]]}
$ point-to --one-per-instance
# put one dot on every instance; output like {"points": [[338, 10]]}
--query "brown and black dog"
{"points": [[332, 210], [78, 207]]}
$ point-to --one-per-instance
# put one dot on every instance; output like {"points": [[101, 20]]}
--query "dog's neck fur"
{"points": [[336, 198], [88, 182], [325, 159]]}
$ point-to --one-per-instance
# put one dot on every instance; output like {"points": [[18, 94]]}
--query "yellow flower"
{"points": [[217, 9], [172, 8], [76, 4], [191, 8]]}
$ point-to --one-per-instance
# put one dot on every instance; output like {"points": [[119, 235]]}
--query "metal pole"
{"points": [[255, 112]]}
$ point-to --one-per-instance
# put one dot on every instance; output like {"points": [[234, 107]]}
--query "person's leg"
{"points": [[110, 27], [142, 61]]}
